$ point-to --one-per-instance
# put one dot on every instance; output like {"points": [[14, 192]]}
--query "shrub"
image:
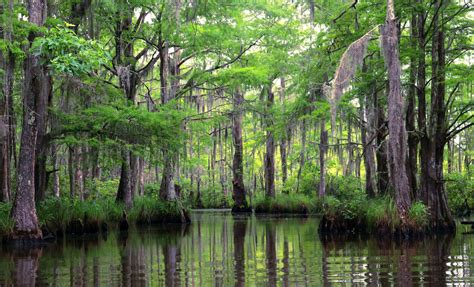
{"points": [[346, 199], [216, 199], [460, 191]]}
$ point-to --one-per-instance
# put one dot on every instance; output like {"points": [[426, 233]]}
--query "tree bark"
{"points": [[323, 147], [24, 209], [6, 109], [397, 145], [381, 151], [270, 147], [410, 114], [366, 116], [123, 194], [432, 188], [283, 141], [238, 188]]}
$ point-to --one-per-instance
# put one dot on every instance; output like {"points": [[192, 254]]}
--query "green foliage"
{"points": [[215, 198], [287, 203], [67, 53], [6, 223], [460, 191], [57, 213], [382, 213], [419, 214], [153, 210]]}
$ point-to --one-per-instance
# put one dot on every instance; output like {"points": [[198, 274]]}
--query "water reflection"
{"points": [[221, 250]]}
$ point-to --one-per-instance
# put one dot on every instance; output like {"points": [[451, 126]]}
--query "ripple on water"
{"points": [[221, 250]]}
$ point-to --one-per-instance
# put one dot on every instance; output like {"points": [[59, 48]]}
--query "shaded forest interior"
{"points": [[361, 111]]}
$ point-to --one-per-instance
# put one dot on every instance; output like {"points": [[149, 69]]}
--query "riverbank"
{"points": [[59, 217]]}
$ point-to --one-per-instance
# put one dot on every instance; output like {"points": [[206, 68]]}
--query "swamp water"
{"points": [[219, 249]]}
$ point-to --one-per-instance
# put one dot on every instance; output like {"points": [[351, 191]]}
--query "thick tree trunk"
{"points": [[270, 147], [432, 188], [24, 209], [123, 193], [397, 145], [238, 188], [167, 187], [41, 139]]}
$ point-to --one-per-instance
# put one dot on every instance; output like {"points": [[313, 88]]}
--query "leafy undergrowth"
{"points": [[75, 216], [286, 204], [357, 213], [460, 191]]}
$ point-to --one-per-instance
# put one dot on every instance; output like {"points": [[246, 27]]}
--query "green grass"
{"points": [[57, 213], [153, 210], [381, 213], [6, 223], [287, 203]]}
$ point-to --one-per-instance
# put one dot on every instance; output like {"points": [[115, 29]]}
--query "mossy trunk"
{"points": [[397, 143]]}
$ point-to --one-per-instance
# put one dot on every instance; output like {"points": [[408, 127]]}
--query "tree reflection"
{"points": [[26, 263], [239, 230], [270, 248]]}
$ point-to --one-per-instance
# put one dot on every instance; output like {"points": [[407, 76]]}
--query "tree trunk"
{"points": [[323, 147], [6, 110], [283, 141], [381, 151], [123, 193], [24, 209], [167, 188], [41, 139], [366, 116], [56, 170], [238, 188], [410, 116], [270, 147], [302, 154], [397, 146], [432, 188]]}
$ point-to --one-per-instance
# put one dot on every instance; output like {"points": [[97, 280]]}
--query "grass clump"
{"points": [[6, 223], [382, 214], [419, 214], [287, 203], [148, 210]]}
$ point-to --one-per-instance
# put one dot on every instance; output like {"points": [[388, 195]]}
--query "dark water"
{"points": [[221, 250]]}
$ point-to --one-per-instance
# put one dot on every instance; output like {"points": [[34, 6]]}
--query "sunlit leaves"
{"points": [[65, 52]]}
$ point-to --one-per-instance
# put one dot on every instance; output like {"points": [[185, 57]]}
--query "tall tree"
{"points": [[397, 145], [35, 90], [238, 187]]}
